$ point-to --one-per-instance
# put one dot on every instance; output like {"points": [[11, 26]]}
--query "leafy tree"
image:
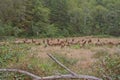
{"points": [[59, 13], [99, 18], [40, 18], [65, 17]]}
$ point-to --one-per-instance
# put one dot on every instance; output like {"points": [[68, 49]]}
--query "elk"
{"points": [[49, 42], [58, 40], [110, 43], [43, 41], [28, 41], [62, 45], [37, 43], [89, 41], [2, 43], [82, 40], [98, 44], [19, 42], [83, 43], [98, 40], [33, 41]]}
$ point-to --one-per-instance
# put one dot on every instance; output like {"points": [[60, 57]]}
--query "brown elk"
{"points": [[2, 43], [89, 41], [62, 45], [110, 43], [49, 42], [33, 41], [28, 41], [19, 42], [83, 44], [98, 40], [37, 43]]}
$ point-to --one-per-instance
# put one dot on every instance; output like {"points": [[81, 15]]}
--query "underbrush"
{"points": [[10, 55], [19, 57], [108, 67]]}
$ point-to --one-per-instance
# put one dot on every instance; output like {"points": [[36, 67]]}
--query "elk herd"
{"points": [[66, 42]]}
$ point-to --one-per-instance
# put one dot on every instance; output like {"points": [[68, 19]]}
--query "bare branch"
{"points": [[73, 75], [67, 76], [53, 58], [21, 71]]}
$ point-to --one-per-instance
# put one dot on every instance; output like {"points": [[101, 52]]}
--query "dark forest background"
{"points": [[59, 18]]}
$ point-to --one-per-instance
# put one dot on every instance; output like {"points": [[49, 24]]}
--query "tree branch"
{"points": [[73, 75], [67, 76], [54, 59], [21, 71]]}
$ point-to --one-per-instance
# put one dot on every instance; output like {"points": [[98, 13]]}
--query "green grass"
{"points": [[75, 46]]}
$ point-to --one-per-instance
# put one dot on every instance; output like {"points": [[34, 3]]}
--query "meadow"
{"points": [[92, 56]]}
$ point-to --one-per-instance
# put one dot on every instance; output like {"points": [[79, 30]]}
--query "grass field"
{"points": [[87, 59]]}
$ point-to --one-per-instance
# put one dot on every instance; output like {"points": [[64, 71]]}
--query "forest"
{"points": [[59, 18]]}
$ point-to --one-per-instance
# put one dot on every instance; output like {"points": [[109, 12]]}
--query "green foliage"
{"points": [[99, 18], [10, 53], [1, 30], [66, 18], [9, 30], [40, 19], [52, 31], [108, 67]]}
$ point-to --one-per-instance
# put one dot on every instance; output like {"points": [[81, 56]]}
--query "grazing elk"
{"points": [[89, 41]]}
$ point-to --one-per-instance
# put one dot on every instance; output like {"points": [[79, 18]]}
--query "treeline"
{"points": [[52, 18]]}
